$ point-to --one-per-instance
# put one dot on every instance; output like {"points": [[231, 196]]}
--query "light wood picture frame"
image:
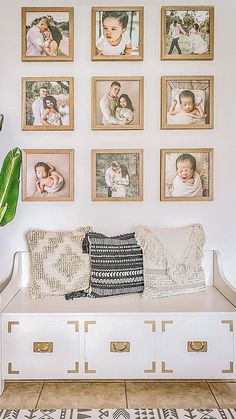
{"points": [[47, 103], [187, 102], [47, 33], [48, 175], [117, 33], [187, 33], [117, 175], [118, 103], [186, 174]]}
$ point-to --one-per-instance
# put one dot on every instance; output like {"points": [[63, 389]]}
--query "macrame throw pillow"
{"points": [[116, 265], [59, 265], [172, 260]]}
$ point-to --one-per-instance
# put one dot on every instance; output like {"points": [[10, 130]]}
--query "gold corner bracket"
{"points": [[87, 370], [164, 323], [10, 324], [230, 370], [10, 369], [164, 369], [230, 323], [75, 370], [152, 370], [87, 323]]}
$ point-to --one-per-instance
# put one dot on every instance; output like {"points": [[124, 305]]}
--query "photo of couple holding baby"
{"points": [[117, 33], [117, 104], [186, 174]]}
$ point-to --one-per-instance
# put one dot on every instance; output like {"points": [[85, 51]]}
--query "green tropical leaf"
{"points": [[9, 185], [1, 121]]}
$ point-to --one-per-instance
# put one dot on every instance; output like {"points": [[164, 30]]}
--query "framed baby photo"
{"points": [[117, 103], [47, 104], [187, 174], [48, 175], [117, 33], [47, 33], [187, 32], [117, 175], [187, 102]]}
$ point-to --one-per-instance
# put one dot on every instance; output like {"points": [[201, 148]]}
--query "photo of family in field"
{"points": [[117, 103], [187, 103], [47, 34], [47, 175], [117, 175], [118, 33], [188, 33], [47, 104], [186, 174]]}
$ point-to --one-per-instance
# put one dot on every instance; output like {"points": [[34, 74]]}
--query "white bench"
{"points": [[188, 336]]}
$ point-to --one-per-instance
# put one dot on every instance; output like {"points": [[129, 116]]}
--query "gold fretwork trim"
{"points": [[152, 370], [230, 323], [75, 370], [87, 323], [75, 323], [10, 370], [164, 370], [153, 324], [231, 369], [164, 323], [87, 370], [10, 324]]}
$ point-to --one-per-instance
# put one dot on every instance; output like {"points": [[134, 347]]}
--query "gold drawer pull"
{"points": [[197, 346], [43, 347], [119, 346]]}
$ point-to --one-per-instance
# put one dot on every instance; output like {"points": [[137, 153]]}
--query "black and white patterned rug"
{"points": [[119, 414]]}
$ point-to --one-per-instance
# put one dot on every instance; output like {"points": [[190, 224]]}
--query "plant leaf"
{"points": [[9, 185], [1, 121]]}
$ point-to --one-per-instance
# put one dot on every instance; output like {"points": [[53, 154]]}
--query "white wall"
{"points": [[217, 217]]}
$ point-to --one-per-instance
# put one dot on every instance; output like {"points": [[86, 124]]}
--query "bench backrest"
{"points": [[23, 268]]}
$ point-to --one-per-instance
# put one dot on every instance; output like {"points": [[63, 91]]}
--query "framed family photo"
{"points": [[48, 175], [117, 33], [47, 103], [187, 102], [117, 103], [187, 174], [187, 33], [47, 33], [117, 175]]}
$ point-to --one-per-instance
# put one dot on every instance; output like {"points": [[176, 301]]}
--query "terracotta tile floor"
{"points": [[118, 394]]}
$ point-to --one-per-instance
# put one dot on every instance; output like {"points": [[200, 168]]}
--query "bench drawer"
{"points": [[40, 347]]}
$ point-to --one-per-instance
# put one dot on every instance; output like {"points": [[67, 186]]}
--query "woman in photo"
{"points": [[51, 114], [124, 110], [197, 43]]}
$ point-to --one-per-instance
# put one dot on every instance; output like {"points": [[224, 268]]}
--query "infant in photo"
{"points": [[187, 182], [115, 39], [187, 111], [47, 178]]}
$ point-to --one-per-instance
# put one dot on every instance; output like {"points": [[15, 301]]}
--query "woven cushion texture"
{"points": [[59, 265], [172, 260]]}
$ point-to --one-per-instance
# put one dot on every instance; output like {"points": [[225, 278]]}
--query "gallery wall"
{"points": [[217, 216]]}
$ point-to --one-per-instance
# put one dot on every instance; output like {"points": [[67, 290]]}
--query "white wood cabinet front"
{"points": [[197, 346], [40, 347], [121, 347]]}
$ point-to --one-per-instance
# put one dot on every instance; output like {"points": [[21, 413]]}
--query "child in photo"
{"points": [[124, 110], [197, 43], [47, 179], [187, 182], [187, 111], [115, 39]]}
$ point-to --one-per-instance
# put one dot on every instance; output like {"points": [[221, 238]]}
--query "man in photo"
{"points": [[36, 44], [109, 103], [175, 31], [38, 105]]}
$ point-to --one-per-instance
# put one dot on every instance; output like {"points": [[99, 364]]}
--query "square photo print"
{"points": [[48, 175], [47, 34], [117, 33], [187, 33], [117, 175], [47, 103], [187, 102], [187, 174], [117, 103]]}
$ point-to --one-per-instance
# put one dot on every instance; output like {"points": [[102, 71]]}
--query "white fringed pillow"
{"points": [[172, 260], [59, 265]]}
